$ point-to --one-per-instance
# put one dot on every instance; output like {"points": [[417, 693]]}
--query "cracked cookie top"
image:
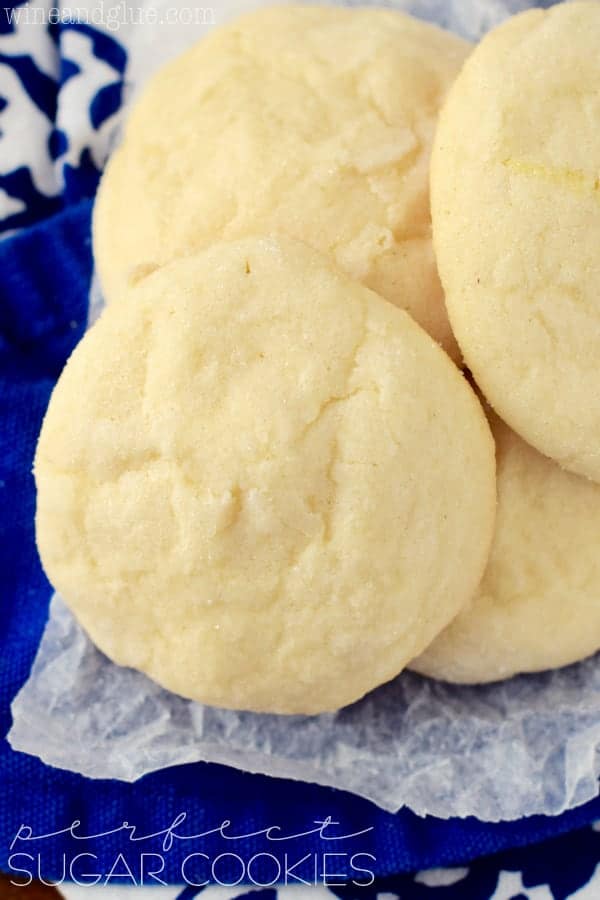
{"points": [[310, 122], [261, 484], [515, 181]]}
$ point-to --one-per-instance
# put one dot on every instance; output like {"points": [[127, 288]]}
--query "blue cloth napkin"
{"points": [[45, 273]]}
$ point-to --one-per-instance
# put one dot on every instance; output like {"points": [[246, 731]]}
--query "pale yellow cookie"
{"points": [[538, 606], [261, 484], [313, 122], [516, 209]]}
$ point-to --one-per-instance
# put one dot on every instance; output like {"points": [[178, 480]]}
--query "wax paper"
{"points": [[526, 745]]}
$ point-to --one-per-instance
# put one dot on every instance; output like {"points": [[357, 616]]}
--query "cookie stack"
{"points": [[263, 478]]}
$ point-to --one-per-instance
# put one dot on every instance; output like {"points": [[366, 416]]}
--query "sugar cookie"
{"points": [[256, 478], [515, 180], [538, 604], [310, 122]]}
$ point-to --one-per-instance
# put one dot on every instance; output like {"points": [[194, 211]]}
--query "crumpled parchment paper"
{"points": [[527, 745], [502, 751]]}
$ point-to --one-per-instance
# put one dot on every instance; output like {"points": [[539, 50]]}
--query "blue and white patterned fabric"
{"points": [[63, 84], [61, 89]]}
